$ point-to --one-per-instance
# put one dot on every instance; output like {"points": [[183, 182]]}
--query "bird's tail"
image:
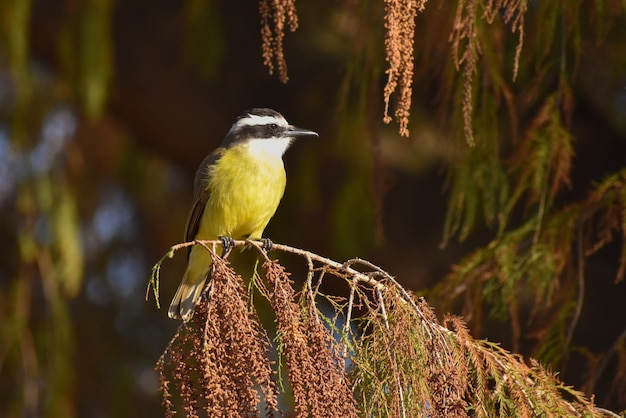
{"points": [[186, 297]]}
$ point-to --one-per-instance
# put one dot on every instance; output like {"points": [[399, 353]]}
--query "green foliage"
{"points": [[205, 45], [353, 208], [391, 358], [50, 260], [86, 54], [16, 16], [478, 185], [95, 55], [352, 228], [15, 20], [534, 267]]}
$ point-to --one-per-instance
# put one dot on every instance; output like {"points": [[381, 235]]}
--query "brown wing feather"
{"points": [[200, 194]]}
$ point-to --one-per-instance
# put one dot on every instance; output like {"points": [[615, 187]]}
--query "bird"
{"points": [[237, 189]]}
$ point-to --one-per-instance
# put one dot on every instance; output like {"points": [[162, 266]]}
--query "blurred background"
{"points": [[107, 107]]}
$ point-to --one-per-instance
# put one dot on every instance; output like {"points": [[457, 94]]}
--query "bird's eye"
{"points": [[273, 126]]}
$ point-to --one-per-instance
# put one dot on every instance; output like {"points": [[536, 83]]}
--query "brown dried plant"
{"points": [[274, 15], [220, 357], [399, 40], [467, 37], [315, 370], [395, 359]]}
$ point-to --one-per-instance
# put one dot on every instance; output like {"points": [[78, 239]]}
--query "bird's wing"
{"points": [[201, 194]]}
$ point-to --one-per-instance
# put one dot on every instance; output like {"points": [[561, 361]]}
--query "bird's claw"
{"points": [[227, 244], [267, 244]]}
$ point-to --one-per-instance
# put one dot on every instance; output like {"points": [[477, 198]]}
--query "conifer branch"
{"points": [[395, 347], [548, 266]]}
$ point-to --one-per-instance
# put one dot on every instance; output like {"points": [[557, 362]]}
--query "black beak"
{"points": [[293, 132]]}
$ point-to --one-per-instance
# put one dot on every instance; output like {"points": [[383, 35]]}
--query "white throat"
{"points": [[270, 146]]}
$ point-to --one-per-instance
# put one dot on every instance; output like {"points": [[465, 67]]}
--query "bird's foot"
{"points": [[267, 244], [227, 244]]}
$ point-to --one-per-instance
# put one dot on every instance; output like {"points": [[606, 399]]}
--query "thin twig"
{"points": [[309, 274], [309, 286], [383, 311], [599, 371], [346, 325], [392, 350], [580, 299], [319, 282]]}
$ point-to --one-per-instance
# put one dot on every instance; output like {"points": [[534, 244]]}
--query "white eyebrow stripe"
{"points": [[256, 120]]}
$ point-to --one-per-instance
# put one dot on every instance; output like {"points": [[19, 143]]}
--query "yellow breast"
{"points": [[245, 189]]}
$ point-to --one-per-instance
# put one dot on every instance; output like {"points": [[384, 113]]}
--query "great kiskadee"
{"points": [[237, 189]]}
